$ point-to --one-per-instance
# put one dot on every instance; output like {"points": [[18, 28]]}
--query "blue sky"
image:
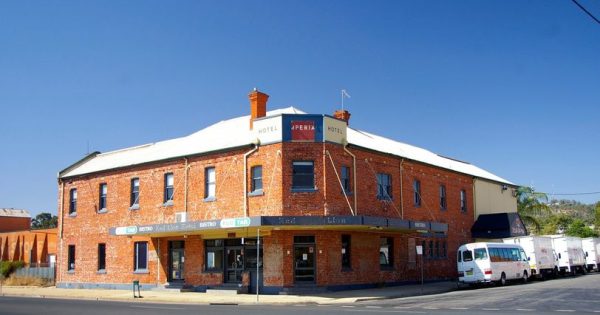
{"points": [[511, 86]]}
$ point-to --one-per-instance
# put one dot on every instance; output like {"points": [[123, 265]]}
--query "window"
{"points": [[71, 258], [386, 252], [73, 201], [345, 177], [480, 254], [431, 249], [169, 188], [303, 175], [444, 250], [101, 257], [346, 251], [135, 192], [417, 192], [437, 249], [102, 199], [257, 184], [443, 202], [140, 259], [467, 255], [463, 201], [214, 255], [384, 186], [210, 182]]}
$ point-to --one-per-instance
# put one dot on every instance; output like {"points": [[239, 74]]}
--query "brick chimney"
{"points": [[258, 105], [342, 114]]}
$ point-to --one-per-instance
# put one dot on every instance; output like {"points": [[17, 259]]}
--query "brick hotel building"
{"points": [[290, 199]]}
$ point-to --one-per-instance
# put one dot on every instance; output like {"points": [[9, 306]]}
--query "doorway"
{"points": [[176, 261], [304, 259], [234, 264]]}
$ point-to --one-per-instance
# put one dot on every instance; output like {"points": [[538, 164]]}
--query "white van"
{"points": [[491, 262], [591, 248], [539, 253], [571, 258]]}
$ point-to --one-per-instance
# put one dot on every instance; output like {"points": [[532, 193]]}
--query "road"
{"points": [[578, 295]]}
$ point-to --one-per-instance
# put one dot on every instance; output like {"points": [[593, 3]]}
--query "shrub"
{"points": [[8, 267], [27, 281]]}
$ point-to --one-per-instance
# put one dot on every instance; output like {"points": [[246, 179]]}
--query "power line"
{"points": [[586, 11], [575, 194]]}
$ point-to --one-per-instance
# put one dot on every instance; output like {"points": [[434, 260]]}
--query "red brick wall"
{"points": [[9, 224], [88, 228], [28, 246]]}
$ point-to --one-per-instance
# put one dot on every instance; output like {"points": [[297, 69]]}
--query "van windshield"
{"points": [[480, 254], [467, 255]]}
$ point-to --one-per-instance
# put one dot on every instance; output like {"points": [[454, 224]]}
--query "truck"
{"points": [[540, 254], [591, 248], [569, 250]]}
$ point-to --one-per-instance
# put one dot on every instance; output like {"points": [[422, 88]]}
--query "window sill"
{"points": [[141, 271], [72, 271], [386, 268], [73, 214], [347, 269], [101, 272], [381, 198], [210, 199], [304, 190], [168, 203], [256, 193], [348, 193], [212, 271], [103, 210], [134, 207]]}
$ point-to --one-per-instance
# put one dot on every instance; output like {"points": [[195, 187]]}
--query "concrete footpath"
{"points": [[166, 296]]}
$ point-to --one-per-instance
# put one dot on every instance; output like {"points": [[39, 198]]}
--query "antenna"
{"points": [[344, 94]]}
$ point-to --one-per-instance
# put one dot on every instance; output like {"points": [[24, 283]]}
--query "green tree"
{"points": [[597, 217], [557, 223], [531, 206], [578, 228], [44, 220]]}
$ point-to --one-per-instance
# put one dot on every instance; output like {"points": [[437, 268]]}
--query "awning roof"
{"points": [[498, 225]]}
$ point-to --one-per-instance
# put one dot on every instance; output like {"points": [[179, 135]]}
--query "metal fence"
{"points": [[36, 272]]}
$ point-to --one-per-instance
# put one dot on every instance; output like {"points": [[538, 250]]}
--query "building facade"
{"points": [[278, 200]]}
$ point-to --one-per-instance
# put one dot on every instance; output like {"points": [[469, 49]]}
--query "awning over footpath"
{"points": [[248, 225], [498, 225]]}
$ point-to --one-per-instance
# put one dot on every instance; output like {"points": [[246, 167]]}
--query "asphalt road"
{"points": [[579, 295]]}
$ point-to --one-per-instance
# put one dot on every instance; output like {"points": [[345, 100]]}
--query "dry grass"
{"points": [[28, 281]]}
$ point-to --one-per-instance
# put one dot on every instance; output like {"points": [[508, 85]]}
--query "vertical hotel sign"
{"points": [[303, 130]]}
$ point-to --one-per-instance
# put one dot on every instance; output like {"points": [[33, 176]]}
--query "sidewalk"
{"points": [[342, 297]]}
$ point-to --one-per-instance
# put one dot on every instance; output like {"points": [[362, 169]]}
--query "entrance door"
{"points": [[176, 261], [234, 264], [304, 262]]}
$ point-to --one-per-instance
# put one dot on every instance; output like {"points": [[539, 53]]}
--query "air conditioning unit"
{"points": [[180, 217]]}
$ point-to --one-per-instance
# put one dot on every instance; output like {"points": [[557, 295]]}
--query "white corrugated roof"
{"points": [[10, 212], [236, 133]]}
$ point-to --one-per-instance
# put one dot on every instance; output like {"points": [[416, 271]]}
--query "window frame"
{"points": [[101, 266], [345, 178], [73, 201], [103, 192], [134, 195], [297, 176], [136, 257], [384, 186], [217, 247], [71, 251], [417, 200], [208, 183], [389, 243], [169, 189], [346, 257], [255, 180], [443, 197], [463, 201]]}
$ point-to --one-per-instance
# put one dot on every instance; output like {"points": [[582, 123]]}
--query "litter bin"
{"points": [[136, 284]]}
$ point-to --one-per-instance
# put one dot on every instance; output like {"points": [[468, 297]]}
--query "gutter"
{"points": [[354, 191]]}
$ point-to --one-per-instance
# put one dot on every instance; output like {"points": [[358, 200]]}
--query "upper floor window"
{"points": [[169, 188], [345, 177], [210, 182], [135, 192], [73, 201], [102, 199], [303, 175], [140, 259], [417, 192], [443, 199], [384, 186], [463, 200], [257, 183]]}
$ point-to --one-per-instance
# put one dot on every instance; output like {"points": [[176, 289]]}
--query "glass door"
{"points": [[176, 261], [234, 264], [304, 263]]}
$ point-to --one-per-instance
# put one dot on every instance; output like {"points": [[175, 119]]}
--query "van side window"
{"points": [[495, 255], [523, 256], [459, 257], [480, 254], [467, 255], [514, 254]]}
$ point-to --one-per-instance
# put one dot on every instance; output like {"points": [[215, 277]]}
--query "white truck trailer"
{"points": [[591, 248], [539, 254], [569, 250]]}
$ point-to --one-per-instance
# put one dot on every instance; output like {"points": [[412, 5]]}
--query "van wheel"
{"points": [[502, 279], [525, 277]]}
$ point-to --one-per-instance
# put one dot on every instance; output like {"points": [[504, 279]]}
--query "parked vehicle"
{"points": [[591, 248], [539, 254], [571, 259], [491, 262]]}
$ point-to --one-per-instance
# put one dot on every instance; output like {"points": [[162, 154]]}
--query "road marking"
{"points": [[402, 306], [158, 307], [490, 309], [431, 308], [525, 309], [459, 308], [565, 311], [349, 306], [371, 306]]}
